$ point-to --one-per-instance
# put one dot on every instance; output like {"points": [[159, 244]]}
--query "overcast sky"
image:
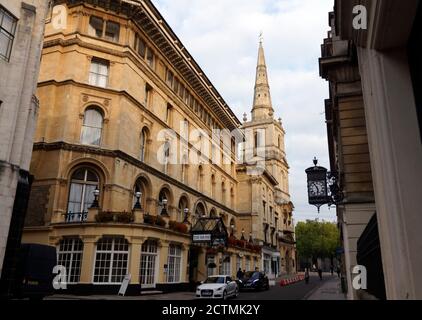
{"points": [[223, 35]]}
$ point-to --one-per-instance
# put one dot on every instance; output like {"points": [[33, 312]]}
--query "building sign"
{"points": [[206, 237], [209, 232]]}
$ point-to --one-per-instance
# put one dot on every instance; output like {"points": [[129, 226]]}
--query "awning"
{"points": [[210, 232]]}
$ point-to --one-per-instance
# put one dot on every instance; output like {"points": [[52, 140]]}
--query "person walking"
{"points": [[307, 276], [320, 273], [239, 274]]}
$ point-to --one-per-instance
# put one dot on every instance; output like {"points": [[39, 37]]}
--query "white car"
{"points": [[218, 287]]}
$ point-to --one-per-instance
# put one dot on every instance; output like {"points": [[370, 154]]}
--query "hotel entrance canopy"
{"points": [[209, 232]]}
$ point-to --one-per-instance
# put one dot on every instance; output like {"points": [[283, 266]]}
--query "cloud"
{"points": [[222, 36]]}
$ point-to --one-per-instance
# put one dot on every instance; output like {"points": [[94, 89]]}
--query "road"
{"points": [[297, 291]]}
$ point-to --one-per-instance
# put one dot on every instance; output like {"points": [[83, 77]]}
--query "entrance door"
{"points": [[149, 259]]}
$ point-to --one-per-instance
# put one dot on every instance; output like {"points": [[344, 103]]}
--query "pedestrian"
{"points": [[338, 271], [320, 273], [332, 270], [307, 276], [239, 274]]}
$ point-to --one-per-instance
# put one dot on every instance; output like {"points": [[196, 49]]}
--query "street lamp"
{"points": [[320, 182], [243, 234], [164, 210], [138, 205], [232, 227], [95, 204], [250, 237], [186, 211]]}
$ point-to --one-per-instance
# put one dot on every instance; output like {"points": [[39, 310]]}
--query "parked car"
{"points": [[254, 280], [218, 287], [34, 271]]}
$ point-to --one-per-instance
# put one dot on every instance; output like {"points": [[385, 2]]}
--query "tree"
{"points": [[317, 239]]}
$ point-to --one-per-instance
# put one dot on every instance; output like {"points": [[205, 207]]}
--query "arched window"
{"points": [[149, 264], [183, 204], [92, 127], [141, 186], [213, 214], [200, 211], [83, 183], [69, 255], [163, 209], [111, 260], [232, 198], [144, 140], [279, 142]]}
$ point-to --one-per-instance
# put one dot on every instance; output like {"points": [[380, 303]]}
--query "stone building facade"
{"points": [[21, 34], [128, 122], [374, 129]]}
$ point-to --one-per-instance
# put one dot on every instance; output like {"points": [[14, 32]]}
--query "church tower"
{"points": [[263, 121], [266, 210]]}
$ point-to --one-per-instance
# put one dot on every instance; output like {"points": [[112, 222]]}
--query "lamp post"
{"points": [[250, 237], [138, 205], [232, 227], [95, 204], [243, 234], [186, 212], [164, 210]]}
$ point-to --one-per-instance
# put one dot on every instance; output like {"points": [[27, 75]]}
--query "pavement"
{"points": [[328, 290]]}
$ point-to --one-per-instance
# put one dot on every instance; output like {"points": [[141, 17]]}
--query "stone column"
{"points": [[135, 258], [88, 259], [184, 264], [202, 265], [163, 260]]}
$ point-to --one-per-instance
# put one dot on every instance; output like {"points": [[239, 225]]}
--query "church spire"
{"points": [[262, 105]]}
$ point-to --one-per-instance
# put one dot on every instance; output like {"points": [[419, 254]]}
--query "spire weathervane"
{"points": [[261, 37]]}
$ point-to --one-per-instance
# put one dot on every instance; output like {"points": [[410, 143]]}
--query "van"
{"points": [[34, 271]]}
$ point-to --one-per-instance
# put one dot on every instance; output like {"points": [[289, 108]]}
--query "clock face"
{"points": [[317, 189]]}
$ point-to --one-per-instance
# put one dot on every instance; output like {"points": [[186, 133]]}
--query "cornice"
{"points": [[149, 20]]}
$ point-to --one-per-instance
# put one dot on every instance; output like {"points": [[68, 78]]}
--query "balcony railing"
{"points": [[76, 217]]}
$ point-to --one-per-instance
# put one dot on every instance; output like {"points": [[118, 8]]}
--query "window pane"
{"points": [[91, 176], [150, 57], [112, 31], [75, 198], [4, 45], [93, 119], [96, 27], [8, 23], [141, 47]]}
